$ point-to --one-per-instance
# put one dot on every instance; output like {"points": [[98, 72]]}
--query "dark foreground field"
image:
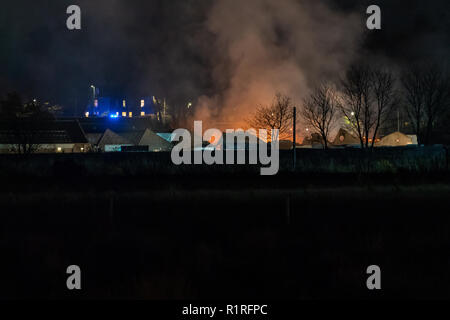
{"points": [[142, 228], [224, 241]]}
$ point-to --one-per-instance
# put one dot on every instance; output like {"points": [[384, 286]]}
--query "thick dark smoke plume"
{"points": [[225, 55], [262, 47]]}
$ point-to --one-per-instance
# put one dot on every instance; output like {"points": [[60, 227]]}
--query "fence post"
{"points": [[294, 133]]}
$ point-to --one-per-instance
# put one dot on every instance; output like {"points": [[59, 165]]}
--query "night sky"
{"points": [[163, 47]]}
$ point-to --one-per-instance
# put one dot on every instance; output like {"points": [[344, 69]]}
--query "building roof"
{"points": [[313, 139], [151, 139], [134, 138], [288, 145], [94, 138], [112, 138], [396, 139], [344, 137], [42, 132], [253, 143], [122, 124]]}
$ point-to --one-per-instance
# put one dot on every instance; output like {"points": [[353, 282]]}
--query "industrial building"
{"points": [[126, 134], [397, 139], [60, 136], [140, 140], [73, 135], [110, 104], [126, 108]]}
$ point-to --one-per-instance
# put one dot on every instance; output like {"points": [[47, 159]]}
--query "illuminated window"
{"points": [[124, 114], [130, 114], [96, 103], [142, 113], [124, 103], [142, 103], [87, 114]]}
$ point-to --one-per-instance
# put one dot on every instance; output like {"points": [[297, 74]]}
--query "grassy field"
{"points": [[410, 160], [140, 227], [304, 242]]}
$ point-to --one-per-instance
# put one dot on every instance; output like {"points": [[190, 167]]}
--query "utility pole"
{"points": [[294, 134]]}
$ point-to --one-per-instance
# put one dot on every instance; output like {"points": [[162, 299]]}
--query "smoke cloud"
{"points": [[228, 56], [262, 47]]}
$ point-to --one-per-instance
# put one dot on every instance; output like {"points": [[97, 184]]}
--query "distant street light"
{"points": [[189, 105], [93, 91]]}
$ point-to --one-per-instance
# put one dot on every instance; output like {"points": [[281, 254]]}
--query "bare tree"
{"points": [[278, 115], [320, 110], [427, 96], [385, 96], [413, 91], [357, 103], [23, 137], [179, 115], [23, 123], [368, 96], [12, 106], [437, 98]]}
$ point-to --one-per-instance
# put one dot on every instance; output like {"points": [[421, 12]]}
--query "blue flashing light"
{"points": [[113, 116]]}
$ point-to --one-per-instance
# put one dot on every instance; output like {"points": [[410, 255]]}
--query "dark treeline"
{"points": [[369, 101], [21, 122], [158, 167], [372, 100]]}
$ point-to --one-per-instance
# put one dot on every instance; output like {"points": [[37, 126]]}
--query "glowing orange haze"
{"points": [[264, 47]]}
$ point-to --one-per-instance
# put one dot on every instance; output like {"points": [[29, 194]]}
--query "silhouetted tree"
{"points": [[277, 115], [320, 110], [179, 115], [385, 98], [368, 95], [357, 103], [12, 106], [22, 123], [427, 96]]}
